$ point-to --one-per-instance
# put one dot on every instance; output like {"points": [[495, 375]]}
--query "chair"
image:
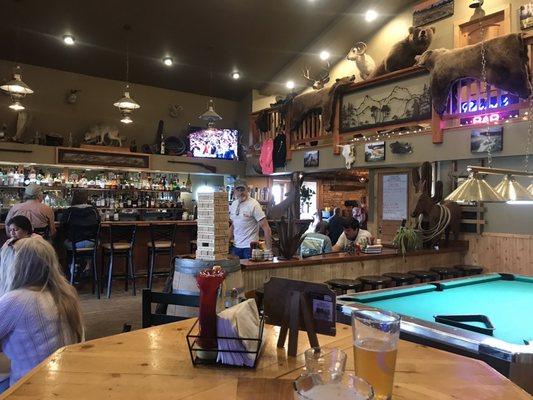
{"points": [[401, 279], [469, 270], [424, 276], [44, 231], [76, 234], [120, 245], [375, 281], [149, 298], [343, 285], [162, 241]]}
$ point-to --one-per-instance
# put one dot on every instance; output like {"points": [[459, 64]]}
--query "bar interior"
{"points": [[306, 199]]}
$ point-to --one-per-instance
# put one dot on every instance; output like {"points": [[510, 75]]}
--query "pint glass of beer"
{"points": [[375, 343]]}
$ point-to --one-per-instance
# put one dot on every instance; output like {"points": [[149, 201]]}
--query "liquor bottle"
{"points": [[129, 201], [188, 184], [115, 214]]}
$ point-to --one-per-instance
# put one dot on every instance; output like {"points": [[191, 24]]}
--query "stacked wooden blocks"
{"points": [[213, 226]]}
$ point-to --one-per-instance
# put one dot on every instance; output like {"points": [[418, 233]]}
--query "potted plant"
{"points": [[407, 239]]}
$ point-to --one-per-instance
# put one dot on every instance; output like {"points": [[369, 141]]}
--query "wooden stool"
{"points": [[121, 244], [162, 241], [469, 270], [401, 279], [375, 281], [445, 272], [424, 276], [343, 285]]}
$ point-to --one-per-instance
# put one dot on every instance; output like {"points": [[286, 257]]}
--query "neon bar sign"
{"points": [[493, 117], [483, 119], [471, 106]]}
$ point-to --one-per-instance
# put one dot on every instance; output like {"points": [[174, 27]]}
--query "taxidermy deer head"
{"points": [[317, 83]]}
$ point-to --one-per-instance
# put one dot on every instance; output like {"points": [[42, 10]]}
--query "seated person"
{"points": [[40, 312], [81, 217], [316, 242], [318, 224], [19, 227], [351, 236]]}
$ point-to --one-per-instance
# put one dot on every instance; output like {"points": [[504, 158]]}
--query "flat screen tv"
{"points": [[214, 143]]}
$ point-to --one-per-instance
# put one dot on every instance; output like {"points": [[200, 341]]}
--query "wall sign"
{"points": [[395, 194], [67, 155]]}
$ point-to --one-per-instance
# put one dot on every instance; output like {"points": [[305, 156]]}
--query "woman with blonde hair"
{"points": [[40, 311]]}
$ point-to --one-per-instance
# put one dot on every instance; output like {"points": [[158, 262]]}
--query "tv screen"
{"points": [[214, 143]]}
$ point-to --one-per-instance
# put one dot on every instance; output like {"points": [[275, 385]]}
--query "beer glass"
{"points": [[329, 363], [375, 343]]}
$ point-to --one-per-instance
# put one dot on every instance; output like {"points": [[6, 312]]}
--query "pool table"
{"points": [[505, 300]]}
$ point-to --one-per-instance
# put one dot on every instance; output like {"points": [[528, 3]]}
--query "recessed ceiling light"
{"points": [[167, 61], [68, 40], [290, 84], [371, 15], [236, 75], [324, 55]]}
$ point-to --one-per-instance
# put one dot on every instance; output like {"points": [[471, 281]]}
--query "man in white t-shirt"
{"points": [[351, 235], [246, 217]]}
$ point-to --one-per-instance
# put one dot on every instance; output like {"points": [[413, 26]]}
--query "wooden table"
{"points": [[154, 363]]}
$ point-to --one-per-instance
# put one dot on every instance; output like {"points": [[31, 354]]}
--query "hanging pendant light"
{"points": [[511, 190], [17, 89], [474, 189], [530, 189], [210, 115], [126, 104]]}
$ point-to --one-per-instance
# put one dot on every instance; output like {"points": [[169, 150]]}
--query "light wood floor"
{"points": [[107, 317]]}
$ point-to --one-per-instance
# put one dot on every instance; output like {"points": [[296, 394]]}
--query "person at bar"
{"points": [[352, 235], [19, 227], [335, 225], [40, 312], [81, 216], [318, 224], [40, 215], [246, 217]]}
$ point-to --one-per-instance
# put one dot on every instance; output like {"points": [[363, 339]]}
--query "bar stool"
{"points": [[121, 242], [44, 231], [341, 286], [79, 250], [424, 276], [375, 281], [162, 241], [469, 270], [445, 272], [401, 279]]}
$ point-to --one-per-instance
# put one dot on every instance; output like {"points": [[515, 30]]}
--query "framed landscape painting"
{"points": [[432, 10], [375, 151]]}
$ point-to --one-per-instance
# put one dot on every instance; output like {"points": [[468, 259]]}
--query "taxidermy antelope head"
{"points": [[320, 82]]}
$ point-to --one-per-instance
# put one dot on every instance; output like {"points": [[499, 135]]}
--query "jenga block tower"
{"points": [[213, 226]]}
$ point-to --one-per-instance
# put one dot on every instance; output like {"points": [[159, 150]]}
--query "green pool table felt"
{"points": [[508, 304]]}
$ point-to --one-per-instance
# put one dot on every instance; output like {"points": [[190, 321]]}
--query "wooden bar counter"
{"points": [[342, 265], [154, 363]]}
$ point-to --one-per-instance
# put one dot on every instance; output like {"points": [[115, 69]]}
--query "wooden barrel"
{"points": [[185, 272]]}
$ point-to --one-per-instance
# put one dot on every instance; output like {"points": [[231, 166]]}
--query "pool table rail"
{"points": [[512, 360]]}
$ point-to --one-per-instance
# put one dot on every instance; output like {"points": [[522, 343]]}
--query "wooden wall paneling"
{"points": [[501, 252], [496, 22]]}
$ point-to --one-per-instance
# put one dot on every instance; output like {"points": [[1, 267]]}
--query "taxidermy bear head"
{"points": [[420, 38]]}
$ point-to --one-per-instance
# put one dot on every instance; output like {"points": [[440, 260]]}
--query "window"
{"points": [[308, 208]]}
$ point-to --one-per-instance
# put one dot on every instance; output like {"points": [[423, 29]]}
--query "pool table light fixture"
{"points": [[511, 190]]}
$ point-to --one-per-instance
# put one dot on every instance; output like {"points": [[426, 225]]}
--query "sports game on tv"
{"points": [[214, 143]]}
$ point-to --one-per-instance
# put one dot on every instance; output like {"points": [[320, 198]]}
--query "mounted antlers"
{"points": [[317, 83]]}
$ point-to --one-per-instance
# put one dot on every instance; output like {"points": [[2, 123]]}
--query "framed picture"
{"points": [[483, 140], [311, 159], [432, 10], [67, 155], [526, 16], [395, 102], [375, 151]]}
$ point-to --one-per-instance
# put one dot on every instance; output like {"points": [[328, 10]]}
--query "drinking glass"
{"points": [[375, 344], [347, 387], [328, 363]]}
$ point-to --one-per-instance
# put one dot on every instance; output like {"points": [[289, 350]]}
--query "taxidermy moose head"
{"points": [[364, 63], [317, 83]]}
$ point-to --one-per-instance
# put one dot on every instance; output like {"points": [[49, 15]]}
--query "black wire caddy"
{"points": [[194, 348]]}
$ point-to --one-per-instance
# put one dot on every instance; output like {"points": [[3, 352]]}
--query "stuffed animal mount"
{"points": [[318, 82], [348, 152], [103, 135], [364, 63], [506, 67]]}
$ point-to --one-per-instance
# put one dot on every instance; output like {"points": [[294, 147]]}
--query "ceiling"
{"points": [[256, 37]]}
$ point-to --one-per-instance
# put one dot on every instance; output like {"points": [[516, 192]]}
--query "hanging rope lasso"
{"points": [[443, 222]]}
